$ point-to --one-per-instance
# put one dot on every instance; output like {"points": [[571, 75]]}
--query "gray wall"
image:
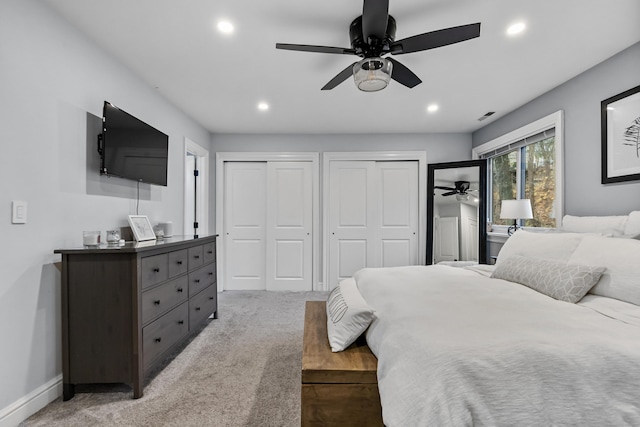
{"points": [[580, 99], [53, 82]]}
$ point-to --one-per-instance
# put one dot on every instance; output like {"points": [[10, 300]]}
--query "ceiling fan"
{"points": [[461, 188], [372, 36]]}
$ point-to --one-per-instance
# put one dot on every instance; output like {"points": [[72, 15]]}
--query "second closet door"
{"points": [[373, 216]]}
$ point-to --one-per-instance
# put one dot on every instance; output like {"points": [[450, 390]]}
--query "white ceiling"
{"points": [[218, 80]]}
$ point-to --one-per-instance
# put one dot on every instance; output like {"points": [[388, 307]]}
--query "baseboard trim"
{"points": [[28, 405]]}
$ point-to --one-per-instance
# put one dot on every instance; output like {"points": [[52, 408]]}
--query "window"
{"points": [[526, 164]]}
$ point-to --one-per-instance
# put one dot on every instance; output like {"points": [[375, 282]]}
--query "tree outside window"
{"points": [[526, 172]]}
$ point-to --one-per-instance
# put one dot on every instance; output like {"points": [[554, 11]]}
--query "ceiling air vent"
{"points": [[489, 114]]}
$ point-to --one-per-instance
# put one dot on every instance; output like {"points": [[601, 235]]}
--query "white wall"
{"points": [[580, 99], [52, 85]]}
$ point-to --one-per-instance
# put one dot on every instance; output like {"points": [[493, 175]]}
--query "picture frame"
{"points": [[141, 227], [620, 134]]}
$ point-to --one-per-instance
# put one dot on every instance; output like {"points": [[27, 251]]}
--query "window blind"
{"points": [[519, 144]]}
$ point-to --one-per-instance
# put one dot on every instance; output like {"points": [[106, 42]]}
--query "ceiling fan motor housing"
{"points": [[375, 47]]}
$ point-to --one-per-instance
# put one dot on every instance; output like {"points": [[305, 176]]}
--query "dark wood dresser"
{"points": [[125, 308]]}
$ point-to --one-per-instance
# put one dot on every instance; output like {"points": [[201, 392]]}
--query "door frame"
{"points": [[203, 188], [419, 156], [231, 156]]}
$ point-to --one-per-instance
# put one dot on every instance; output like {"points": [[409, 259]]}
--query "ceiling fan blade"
{"points": [[342, 76], [435, 39], [450, 193], [445, 188], [403, 75], [317, 49], [375, 14]]}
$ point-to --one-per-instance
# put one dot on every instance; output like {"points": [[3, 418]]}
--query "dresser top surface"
{"points": [[167, 243]]}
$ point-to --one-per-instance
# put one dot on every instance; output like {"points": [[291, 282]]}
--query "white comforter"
{"points": [[458, 348]]}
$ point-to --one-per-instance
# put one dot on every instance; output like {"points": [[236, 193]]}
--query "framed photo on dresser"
{"points": [[141, 228]]}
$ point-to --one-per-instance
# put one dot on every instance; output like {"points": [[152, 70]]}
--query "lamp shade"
{"points": [[516, 209], [372, 74]]}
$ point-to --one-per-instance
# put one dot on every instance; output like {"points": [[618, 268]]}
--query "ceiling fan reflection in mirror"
{"points": [[461, 191], [372, 36]]}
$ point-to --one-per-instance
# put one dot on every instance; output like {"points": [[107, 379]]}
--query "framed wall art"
{"points": [[141, 228], [620, 127]]}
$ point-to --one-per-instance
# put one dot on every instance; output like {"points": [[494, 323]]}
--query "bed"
{"points": [[519, 343]]}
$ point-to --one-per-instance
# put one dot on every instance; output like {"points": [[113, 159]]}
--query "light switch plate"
{"points": [[18, 212]]}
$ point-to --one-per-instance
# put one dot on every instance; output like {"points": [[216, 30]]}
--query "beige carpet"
{"points": [[243, 369]]}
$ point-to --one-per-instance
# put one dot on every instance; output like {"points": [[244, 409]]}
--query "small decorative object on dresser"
{"points": [[126, 308]]}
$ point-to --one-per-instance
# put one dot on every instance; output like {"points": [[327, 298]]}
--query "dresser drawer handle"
{"points": [[197, 308], [211, 273], [196, 281], [210, 252], [196, 256], [158, 339], [157, 302], [156, 270], [179, 289], [179, 262], [211, 298], [180, 322]]}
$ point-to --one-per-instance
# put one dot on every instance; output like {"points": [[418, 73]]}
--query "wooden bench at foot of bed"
{"points": [[338, 389]]}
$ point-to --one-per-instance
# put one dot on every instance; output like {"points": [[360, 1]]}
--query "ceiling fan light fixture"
{"points": [[372, 74]]}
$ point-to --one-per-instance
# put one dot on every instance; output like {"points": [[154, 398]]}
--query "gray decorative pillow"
{"points": [[557, 279]]}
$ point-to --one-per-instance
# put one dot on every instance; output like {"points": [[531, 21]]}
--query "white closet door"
{"points": [[245, 220], [398, 213], [289, 226], [446, 239], [352, 218]]}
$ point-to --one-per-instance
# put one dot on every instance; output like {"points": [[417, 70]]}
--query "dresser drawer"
{"points": [[154, 270], [209, 252], [201, 278], [159, 300], [178, 262], [160, 335], [196, 257], [202, 306]]}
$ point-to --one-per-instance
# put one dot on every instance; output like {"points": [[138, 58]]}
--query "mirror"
{"points": [[457, 212]]}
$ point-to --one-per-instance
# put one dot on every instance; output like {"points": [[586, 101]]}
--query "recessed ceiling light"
{"points": [[263, 106], [433, 108], [516, 28], [225, 27]]}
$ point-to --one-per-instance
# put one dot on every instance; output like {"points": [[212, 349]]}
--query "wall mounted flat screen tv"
{"points": [[129, 148]]}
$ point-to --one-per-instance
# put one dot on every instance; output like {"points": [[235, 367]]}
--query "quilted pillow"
{"points": [[557, 279], [348, 315]]}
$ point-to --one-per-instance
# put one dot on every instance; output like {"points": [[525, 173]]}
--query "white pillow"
{"points": [[612, 225], [557, 279], [348, 315], [633, 224], [558, 246], [621, 257]]}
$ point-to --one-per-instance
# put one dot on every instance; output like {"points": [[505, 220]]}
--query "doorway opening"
{"points": [[196, 189]]}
